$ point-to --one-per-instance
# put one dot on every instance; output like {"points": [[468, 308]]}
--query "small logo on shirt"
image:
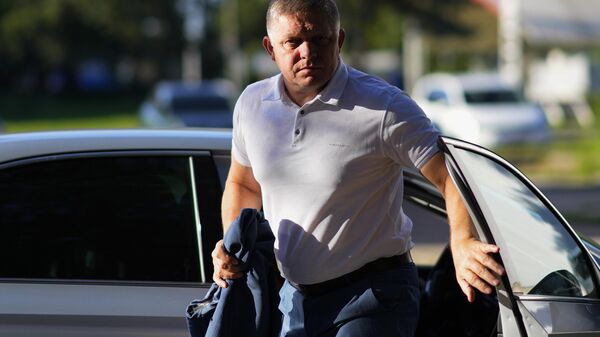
{"points": [[338, 145]]}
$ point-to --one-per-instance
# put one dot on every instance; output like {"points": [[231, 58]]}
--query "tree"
{"points": [[45, 34]]}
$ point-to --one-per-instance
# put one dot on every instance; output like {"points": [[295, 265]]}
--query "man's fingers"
{"points": [[482, 272], [219, 281], [467, 290], [476, 267], [489, 248], [226, 269], [226, 266], [222, 260], [228, 275], [477, 282], [219, 253], [490, 263], [221, 277]]}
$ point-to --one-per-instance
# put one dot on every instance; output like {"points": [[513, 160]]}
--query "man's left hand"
{"points": [[475, 266]]}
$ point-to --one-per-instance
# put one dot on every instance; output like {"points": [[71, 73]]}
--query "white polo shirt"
{"points": [[331, 170]]}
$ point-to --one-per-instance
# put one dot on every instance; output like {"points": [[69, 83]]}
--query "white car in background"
{"points": [[480, 108]]}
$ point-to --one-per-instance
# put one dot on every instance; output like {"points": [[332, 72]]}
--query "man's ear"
{"points": [[341, 38], [268, 47]]}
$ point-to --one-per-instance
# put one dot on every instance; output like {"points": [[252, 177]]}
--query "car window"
{"points": [[209, 196], [200, 103], [111, 218], [540, 255], [437, 95], [492, 96]]}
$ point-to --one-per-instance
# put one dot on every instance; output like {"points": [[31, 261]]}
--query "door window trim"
{"points": [[504, 292], [101, 154], [451, 145], [189, 154]]}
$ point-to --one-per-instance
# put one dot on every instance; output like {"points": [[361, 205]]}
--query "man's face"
{"points": [[306, 49]]}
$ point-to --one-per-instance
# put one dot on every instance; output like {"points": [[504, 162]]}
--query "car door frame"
{"points": [[127, 308], [515, 318]]}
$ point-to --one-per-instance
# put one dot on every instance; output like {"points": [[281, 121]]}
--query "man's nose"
{"points": [[307, 50]]}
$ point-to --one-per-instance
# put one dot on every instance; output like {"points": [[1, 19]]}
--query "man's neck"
{"points": [[301, 97]]}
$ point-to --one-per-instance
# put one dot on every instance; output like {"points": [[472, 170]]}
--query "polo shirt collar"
{"points": [[332, 92], [329, 95], [276, 90]]}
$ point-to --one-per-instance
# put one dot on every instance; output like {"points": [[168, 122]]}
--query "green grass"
{"points": [[94, 122], [572, 158]]}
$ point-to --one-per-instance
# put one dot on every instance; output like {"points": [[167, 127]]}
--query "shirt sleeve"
{"points": [[238, 144], [408, 136]]}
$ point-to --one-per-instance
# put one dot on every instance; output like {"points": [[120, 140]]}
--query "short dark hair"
{"points": [[287, 7]]}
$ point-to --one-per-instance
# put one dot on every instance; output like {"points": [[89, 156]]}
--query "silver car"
{"points": [[196, 104], [481, 108], [109, 233]]}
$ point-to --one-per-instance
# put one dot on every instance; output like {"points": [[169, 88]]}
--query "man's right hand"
{"points": [[225, 265]]}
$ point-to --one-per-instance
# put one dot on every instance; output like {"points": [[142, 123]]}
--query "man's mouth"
{"points": [[310, 68]]}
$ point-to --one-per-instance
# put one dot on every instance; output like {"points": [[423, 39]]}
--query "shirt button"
{"points": [[302, 112], [297, 131]]}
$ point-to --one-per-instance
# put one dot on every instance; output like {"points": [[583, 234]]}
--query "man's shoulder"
{"points": [[375, 91], [260, 89], [374, 85]]}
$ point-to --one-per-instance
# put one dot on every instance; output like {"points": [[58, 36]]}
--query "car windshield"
{"points": [[492, 96], [200, 103]]}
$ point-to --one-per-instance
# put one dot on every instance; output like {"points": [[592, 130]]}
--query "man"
{"points": [[321, 148]]}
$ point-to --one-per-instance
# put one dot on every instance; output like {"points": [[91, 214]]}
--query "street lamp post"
{"points": [[510, 42], [193, 15]]}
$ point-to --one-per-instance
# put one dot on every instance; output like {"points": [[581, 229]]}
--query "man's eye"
{"points": [[322, 40], [291, 43]]}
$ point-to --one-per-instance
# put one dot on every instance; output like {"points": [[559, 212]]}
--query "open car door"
{"points": [[551, 282]]}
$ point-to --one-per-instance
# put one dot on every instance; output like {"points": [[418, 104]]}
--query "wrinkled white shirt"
{"points": [[331, 171]]}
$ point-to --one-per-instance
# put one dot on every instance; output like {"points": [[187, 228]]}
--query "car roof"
{"points": [[34, 144], [483, 81], [165, 91], [474, 81]]}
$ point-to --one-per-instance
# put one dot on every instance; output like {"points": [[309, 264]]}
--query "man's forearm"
{"points": [[461, 226], [235, 197]]}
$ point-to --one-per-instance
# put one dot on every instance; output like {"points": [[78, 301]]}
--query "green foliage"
{"points": [[58, 31], [594, 101], [388, 20], [83, 122], [369, 24]]}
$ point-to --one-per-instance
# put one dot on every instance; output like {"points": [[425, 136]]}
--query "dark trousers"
{"points": [[379, 305]]}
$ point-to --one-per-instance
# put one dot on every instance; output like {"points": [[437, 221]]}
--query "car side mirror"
{"points": [[558, 283]]}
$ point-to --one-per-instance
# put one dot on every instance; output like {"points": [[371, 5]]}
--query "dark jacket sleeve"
{"points": [[248, 307]]}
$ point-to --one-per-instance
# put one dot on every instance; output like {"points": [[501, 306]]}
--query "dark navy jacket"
{"points": [[248, 307]]}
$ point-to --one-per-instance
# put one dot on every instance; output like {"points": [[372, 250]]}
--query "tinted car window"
{"points": [[540, 255], [200, 103], [209, 197], [492, 96], [118, 218]]}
